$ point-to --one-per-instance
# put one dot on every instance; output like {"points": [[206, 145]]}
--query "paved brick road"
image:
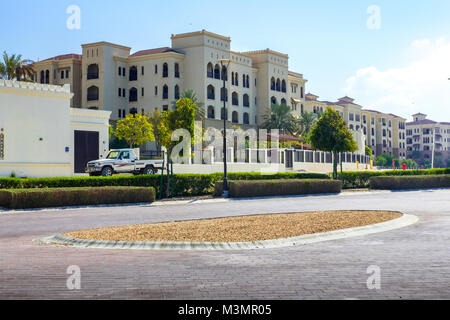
{"points": [[414, 261]]}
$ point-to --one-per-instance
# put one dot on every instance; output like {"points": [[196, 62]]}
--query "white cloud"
{"points": [[422, 85]]}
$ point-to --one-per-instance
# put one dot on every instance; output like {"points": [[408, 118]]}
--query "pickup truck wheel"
{"points": [[107, 172], [149, 170]]}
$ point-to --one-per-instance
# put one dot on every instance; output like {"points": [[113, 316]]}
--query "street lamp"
{"points": [[223, 63]]}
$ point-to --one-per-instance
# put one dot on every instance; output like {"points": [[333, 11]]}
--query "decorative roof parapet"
{"points": [[34, 86]]}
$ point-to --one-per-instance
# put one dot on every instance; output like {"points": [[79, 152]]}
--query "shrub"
{"points": [[360, 179], [410, 182], [41, 198], [262, 188], [184, 184]]}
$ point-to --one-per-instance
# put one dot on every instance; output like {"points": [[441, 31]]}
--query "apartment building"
{"points": [[424, 135], [61, 70], [382, 132]]}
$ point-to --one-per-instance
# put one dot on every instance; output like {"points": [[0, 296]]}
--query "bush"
{"points": [[360, 179], [410, 183], [263, 188], [42, 198], [184, 184]]}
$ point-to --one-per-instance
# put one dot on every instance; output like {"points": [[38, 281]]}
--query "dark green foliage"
{"points": [[360, 179], [410, 182], [43, 198], [263, 188], [184, 184]]}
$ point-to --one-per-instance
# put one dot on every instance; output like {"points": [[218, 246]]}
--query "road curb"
{"points": [[403, 221]]}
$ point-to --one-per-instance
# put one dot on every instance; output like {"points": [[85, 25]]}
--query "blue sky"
{"points": [[328, 41]]}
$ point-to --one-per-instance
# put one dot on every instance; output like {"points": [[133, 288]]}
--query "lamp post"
{"points": [[224, 62]]}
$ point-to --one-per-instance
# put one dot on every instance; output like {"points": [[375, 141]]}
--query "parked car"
{"points": [[124, 161]]}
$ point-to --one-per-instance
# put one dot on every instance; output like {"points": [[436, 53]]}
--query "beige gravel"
{"points": [[239, 229]]}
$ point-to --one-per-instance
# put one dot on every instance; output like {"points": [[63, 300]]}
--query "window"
{"points": [[177, 92], [217, 72], [211, 93], [283, 86], [248, 81], [210, 71], [224, 73], [124, 72], [223, 94], [224, 114], [211, 112], [133, 97], [357, 118], [62, 74], [278, 88], [67, 74], [133, 74], [235, 99], [246, 100], [120, 92], [246, 118], [42, 76], [133, 111], [142, 91], [165, 70], [272, 84], [120, 113], [302, 92], [156, 69], [235, 117], [92, 93], [283, 101], [165, 92], [177, 70], [124, 93], [351, 116], [120, 73], [142, 70], [92, 72], [156, 90], [273, 100]]}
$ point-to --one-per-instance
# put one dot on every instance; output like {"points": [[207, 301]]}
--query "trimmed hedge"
{"points": [[410, 183], [184, 184], [360, 179], [43, 198], [264, 188]]}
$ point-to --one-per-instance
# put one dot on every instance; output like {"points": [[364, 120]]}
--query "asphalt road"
{"points": [[414, 262]]}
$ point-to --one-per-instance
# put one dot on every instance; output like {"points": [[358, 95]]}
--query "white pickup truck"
{"points": [[123, 161]]}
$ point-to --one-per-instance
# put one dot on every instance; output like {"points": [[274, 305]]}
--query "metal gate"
{"points": [[289, 159], [86, 149]]}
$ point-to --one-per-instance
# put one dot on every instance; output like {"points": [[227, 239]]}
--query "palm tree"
{"points": [[14, 67], [279, 116], [307, 121], [200, 106]]}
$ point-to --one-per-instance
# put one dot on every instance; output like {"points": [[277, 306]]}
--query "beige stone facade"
{"points": [[424, 135]]}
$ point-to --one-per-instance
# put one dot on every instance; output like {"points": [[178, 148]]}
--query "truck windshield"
{"points": [[113, 155]]}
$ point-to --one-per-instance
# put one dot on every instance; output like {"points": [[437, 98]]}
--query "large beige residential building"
{"points": [[108, 76], [382, 132], [424, 135]]}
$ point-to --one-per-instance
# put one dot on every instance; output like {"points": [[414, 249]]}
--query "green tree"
{"points": [[330, 134], [306, 122], [279, 116], [369, 152], [380, 161], [199, 106], [135, 129], [13, 67], [183, 117]]}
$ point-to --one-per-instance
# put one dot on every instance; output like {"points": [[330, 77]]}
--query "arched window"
{"points": [[244, 82], [273, 100], [236, 79], [248, 82], [42, 76], [92, 94], [47, 76], [224, 114], [235, 117], [283, 86], [217, 72], [351, 127], [177, 70], [92, 71], [133, 73], [235, 99], [133, 96], [165, 92], [165, 70], [278, 85], [211, 93], [224, 73], [223, 94], [273, 85], [177, 92], [210, 70], [133, 111], [283, 101], [302, 92], [246, 100], [302, 109], [232, 78], [211, 112], [246, 118]]}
